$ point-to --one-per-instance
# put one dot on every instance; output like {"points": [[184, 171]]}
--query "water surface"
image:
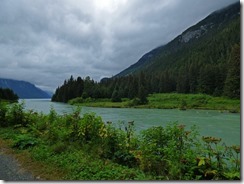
{"points": [[210, 122]]}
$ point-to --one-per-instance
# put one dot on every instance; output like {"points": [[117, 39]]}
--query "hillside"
{"points": [[205, 59], [197, 39], [23, 89]]}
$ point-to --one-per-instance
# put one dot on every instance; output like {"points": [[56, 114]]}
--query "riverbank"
{"points": [[75, 147], [168, 101]]}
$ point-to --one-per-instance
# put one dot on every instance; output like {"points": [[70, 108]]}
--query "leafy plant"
{"points": [[216, 159], [90, 128], [134, 102], [59, 147], [169, 151], [87, 148], [24, 141], [15, 114], [3, 113], [183, 105]]}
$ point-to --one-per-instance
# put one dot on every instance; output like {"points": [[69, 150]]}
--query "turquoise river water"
{"points": [[210, 122]]}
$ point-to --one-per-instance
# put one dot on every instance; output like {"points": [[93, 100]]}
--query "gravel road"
{"points": [[10, 169]]}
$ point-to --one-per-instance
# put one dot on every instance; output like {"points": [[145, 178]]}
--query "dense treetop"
{"points": [[8, 94]]}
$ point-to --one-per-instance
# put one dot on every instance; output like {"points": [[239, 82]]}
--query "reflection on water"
{"points": [[210, 123]]}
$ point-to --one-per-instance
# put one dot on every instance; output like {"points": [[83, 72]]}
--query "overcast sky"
{"points": [[46, 41]]}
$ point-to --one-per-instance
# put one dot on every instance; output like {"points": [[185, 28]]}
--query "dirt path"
{"points": [[10, 169], [19, 166]]}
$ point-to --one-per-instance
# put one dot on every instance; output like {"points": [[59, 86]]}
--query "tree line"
{"points": [[134, 87], [217, 80], [8, 94], [210, 65]]}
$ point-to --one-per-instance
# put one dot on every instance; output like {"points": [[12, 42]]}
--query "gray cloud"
{"points": [[45, 42]]}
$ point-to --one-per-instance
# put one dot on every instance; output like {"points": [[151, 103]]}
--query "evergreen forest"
{"points": [[8, 94], [208, 63]]}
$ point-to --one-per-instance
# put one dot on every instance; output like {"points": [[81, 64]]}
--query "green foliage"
{"points": [[52, 117], [115, 96], [192, 101], [106, 171], [8, 94], [86, 148], [169, 152], [134, 102], [218, 161], [24, 141], [41, 152], [76, 100], [90, 128], [59, 147], [69, 90], [113, 141], [16, 116], [183, 105], [118, 144], [232, 82], [170, 101], [3, 114], [88, 167], [197, 66]]}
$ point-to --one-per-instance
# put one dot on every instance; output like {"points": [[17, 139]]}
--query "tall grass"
{"points": [[168, 101], [193, 101]]}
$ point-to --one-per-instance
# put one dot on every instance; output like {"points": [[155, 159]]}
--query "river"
{"points": [[210, 122]]}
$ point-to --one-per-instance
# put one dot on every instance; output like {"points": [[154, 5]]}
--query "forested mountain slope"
{"points": [[208, 32], [203, 59], [198, 60]]}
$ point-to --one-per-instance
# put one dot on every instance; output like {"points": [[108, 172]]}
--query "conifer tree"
{"points": [[232, 83]]}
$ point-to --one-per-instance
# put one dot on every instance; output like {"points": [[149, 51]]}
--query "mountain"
{"points": [[205, 58], [49, 93], [23, 89], [198, 39]]}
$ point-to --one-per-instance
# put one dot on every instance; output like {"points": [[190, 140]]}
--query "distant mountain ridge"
{"points": [[23, 89], [160, 57]]}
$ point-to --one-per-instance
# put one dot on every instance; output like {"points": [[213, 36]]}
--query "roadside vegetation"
{"points": [[166, 101], [86, 148]]}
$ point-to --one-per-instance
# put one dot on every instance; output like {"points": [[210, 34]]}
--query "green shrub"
{"points": [[24, 141], [134, 102], [59, 147], [76, 100], [3, 113], [90, 128], [100, 170], [124, 157], [218, 161], [16, 115], [113, 139], [55, 128], [89, 99], [41, 152], [169, 151], [52, 117], [87, 148], [183, 105]]}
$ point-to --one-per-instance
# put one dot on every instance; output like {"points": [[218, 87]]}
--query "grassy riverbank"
{"points": [[74, 147], [168, 101]]}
